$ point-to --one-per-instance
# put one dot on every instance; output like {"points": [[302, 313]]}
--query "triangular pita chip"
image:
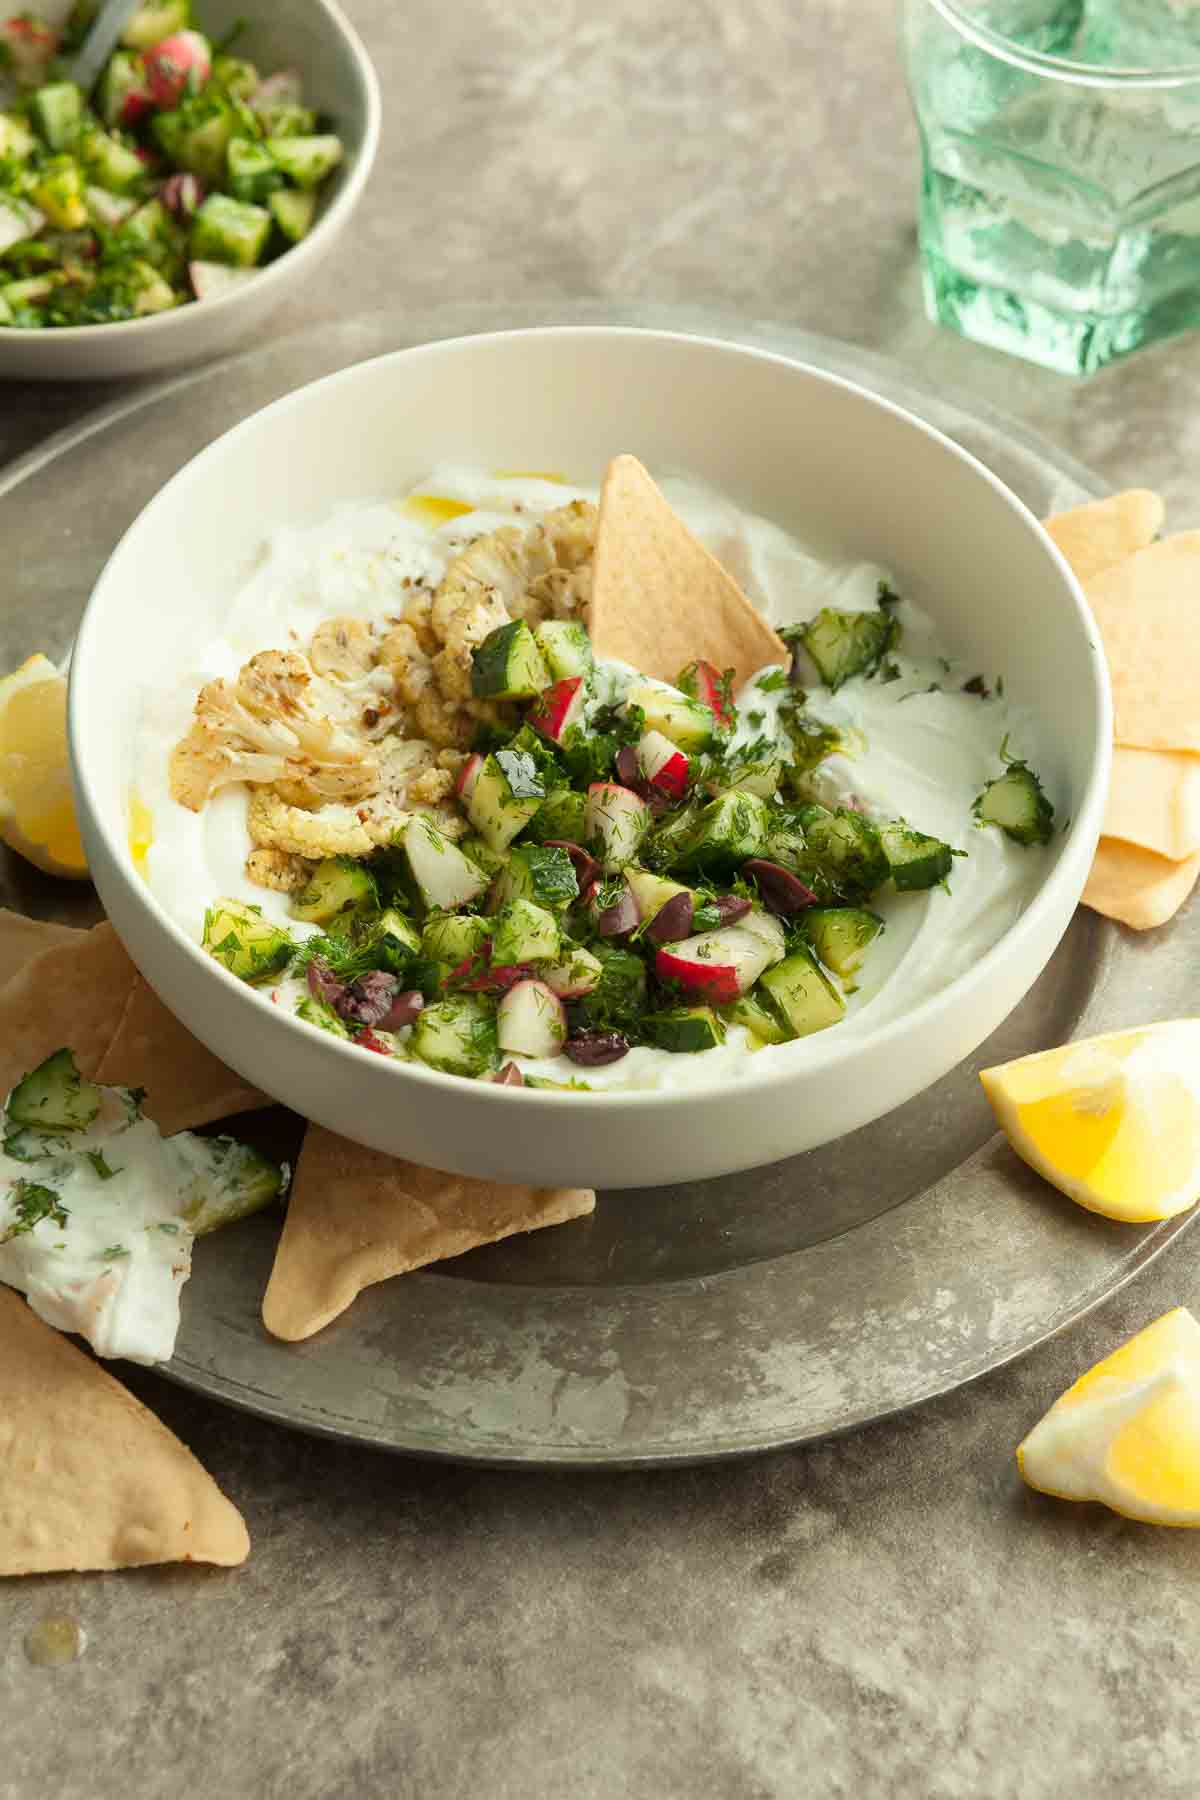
{"points": [[21, 939], [1154, 802], [660, 600], [356, 1217], [1137, 887], [84, 992], [89, 1479], [1104, 532], [1148, 611]]}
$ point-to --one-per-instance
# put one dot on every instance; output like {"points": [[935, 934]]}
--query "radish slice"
{"points": [[530, 1021], [663, 764], [718, 965], [468, 775], [444, 875], [616, 820], [558, 708]]}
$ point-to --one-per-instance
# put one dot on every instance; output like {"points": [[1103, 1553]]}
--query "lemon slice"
{"points": [[37, 812], [1113, 1121], [1128, 1432]]}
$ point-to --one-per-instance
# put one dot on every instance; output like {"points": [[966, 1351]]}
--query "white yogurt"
{"points": [[925, 756]]}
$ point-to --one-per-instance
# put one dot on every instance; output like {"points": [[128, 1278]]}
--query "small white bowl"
{"points": [[315, 37], [815, 453]]}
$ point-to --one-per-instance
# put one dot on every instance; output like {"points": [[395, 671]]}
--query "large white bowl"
{"points": [[813, 452], [315, 37]]}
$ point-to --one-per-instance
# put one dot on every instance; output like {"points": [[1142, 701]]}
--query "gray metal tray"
{"points": [[679, 1324]]}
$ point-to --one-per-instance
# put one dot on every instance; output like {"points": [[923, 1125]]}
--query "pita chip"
{"points": [[660, 600], [1135, 886], [1148, 611], [1104, 532], [1154, 802], [84, 991], [89, 1479], [21, 939], [356, 1217]]}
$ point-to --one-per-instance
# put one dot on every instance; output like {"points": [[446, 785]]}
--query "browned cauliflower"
{"points": [[276, 722], [276, 869]]}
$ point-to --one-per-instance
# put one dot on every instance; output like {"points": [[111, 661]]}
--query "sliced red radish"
{"points": [[558, 708], [615, 820], [530, 1021], [719, 965], [468, 775], [765, 927], [705, 684], [663, 764], [213, 280], [509, 1076], [446, 877], [178, 65], [579, 975]]}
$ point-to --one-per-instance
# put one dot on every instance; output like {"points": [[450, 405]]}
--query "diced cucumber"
{"points": [[666, 842], [508, 664], [232, 1180], [454, 938], [686, 722], [749, 1011], [108, 211], [306, 160], [293, 212], [393, 941], [1017, 803], [457, 1035], [151, 291], [843, 644], [6, 312], [58, 191], [524, 933], [254, 174], [230, 231], [760, 776], [54, 1097], [337, 887], [122, 94], [33, 290], [483, 856], [286, 119], [565, 647], [684, 1029], [917, 861], [618, 1000], [562, 814], [508, 792], [841, 936], [57, 111], [848, 844], [802, 993], [19, 221], [316, 1012], [810, 742], [154, 21], [110, 163], [17, 142], [195, 135], [238, 77], [533, 872], [152, 226], [729, 830], [248, 945], [445, 878]]}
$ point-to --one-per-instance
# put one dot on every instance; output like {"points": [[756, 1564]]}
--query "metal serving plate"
{"points": [[678, 1324]]}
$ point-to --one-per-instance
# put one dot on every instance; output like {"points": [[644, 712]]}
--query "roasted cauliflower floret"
{"points": [[343, 649], [276, 869], [330, 831], [274, 723]]}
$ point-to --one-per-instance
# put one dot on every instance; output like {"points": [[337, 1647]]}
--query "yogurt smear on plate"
{"points": [[918, 746]]}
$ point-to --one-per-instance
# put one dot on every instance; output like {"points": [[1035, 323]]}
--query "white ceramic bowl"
{"points": [[315, 37], [815, 453]]}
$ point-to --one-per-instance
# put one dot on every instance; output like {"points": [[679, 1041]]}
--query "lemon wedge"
{"points": [[37, 812], [1128, 1432], [1113, 1121]]}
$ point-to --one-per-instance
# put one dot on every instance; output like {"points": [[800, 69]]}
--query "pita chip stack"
{"points": [[80, 988], [1145, 596], [660, 600], [89, 1479], [356, 1217]]}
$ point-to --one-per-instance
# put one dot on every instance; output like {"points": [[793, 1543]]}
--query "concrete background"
{"points": [[891, 1614]]}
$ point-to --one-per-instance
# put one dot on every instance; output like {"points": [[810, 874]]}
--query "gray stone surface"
{"points": [[889, 1614]]}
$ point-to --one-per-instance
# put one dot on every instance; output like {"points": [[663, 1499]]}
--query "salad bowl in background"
{"points": [[314, 37], [843, 469]]}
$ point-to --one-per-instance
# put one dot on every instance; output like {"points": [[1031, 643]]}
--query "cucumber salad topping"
{"points": [[468, 844], [175, 179]]}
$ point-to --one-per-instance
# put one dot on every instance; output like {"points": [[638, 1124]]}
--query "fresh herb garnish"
{"points": [[32, 1202]]}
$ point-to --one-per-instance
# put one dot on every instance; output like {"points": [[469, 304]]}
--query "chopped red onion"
{"points": [[404, 1010]]}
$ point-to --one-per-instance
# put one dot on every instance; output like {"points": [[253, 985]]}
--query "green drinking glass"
{"points": [[1060, 188]]}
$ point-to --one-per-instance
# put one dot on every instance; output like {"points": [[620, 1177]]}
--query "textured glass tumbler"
{"points": [[1060, 187]]}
